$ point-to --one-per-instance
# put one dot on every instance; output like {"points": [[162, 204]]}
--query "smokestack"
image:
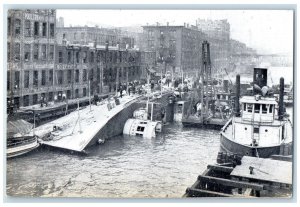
{"points": [[237, 98], [281, 90]]}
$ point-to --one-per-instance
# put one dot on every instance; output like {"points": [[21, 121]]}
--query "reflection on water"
{"points": [[122, 167]]}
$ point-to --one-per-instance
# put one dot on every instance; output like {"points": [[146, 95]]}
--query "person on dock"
{"points": [[121, 91]]}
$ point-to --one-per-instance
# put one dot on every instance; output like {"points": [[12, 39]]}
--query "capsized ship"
{"points": [[260, 128]]}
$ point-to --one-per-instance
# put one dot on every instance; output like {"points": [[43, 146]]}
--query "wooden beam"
{"points": [[220, 168], [207, 193], [231, 183]]}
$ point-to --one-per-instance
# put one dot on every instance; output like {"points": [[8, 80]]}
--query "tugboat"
{"points": [[260, 128]]}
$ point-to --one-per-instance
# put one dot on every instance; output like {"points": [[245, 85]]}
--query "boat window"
{"points": [[179, 109], [249, 107], [271, 108], [140, 129], [256, 130], [257, 108], [218, 96], [264, 108], [245, 107]]}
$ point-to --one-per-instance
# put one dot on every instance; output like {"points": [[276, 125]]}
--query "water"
{"points": [[128, 167]]}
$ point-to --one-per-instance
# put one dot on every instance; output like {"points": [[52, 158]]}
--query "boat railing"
{"points": [[31, 140]]}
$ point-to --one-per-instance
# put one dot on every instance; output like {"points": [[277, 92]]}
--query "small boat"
{"points": [[20, 138], [261, 128]]}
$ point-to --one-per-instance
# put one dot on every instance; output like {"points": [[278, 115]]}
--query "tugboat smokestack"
{"points": [[281, 91], [237, 98]]}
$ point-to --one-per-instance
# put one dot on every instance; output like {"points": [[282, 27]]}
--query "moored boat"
{"points": [[19, 140], [260, 128]]}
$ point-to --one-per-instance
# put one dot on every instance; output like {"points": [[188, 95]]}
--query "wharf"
{"points": [[251, 177]]}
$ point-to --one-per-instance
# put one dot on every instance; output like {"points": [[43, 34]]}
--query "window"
{"points": [[255, 130], [68, 94], [69, 76], [60, 77], [17, 52], [43, 77], [92, 57], [26, 100], [98, 75], [36, 28], [271, 108], [50, 77], [77, 57], [264, 108], [17, 80], [35, 78], [84, 57], [52, 30], [27, 52], [8, 26], [250, 107], [84, 75], [26, 79], [82, 36], [44, 31], [36, 52], [84, 92], [8, 80], [44, 49], [91, 75], [50, 96], [77, 76], [17, 27], [8, 51], [34, 99], [140, 129], [75, 36], [60, 57], [69, 56], [257, 108], [51, 53], [76, 93], [27, 28]]}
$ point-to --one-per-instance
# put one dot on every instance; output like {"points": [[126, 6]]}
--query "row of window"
{"points": [[27, 74], [263, 108], [36, 29], [33, 52]]}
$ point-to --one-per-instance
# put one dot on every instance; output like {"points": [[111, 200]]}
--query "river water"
{"points": [[127, 167]]}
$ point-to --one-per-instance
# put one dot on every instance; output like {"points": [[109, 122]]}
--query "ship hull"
{"points": [[21, 150], [231, 147]]}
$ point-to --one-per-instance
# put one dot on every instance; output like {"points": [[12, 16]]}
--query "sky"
{"points": [[267, 31]]}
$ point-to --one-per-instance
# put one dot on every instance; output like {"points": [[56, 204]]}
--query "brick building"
{"points": [[30, 55], [90, 35], [218, 35], [177, 48]]}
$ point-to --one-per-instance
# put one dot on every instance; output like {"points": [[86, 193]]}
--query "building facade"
{"points": [[30, 55], [218, 35], [177, 48], [94, 35]]}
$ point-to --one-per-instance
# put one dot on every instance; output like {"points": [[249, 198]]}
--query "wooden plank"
{"points": [[208, 193], [266, 170], [220, 168], [231, 183]]}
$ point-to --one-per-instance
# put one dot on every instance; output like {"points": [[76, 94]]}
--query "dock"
{"points": [[252, 177]]}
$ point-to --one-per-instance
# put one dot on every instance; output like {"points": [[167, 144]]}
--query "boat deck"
{"points": [[74, 133]]}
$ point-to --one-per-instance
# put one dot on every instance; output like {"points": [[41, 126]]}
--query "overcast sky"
{"points": [[265, 30]]}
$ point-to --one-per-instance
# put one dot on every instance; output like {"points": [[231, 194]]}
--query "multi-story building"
{"points": [[177, 48], [218, 35], [90, 35], [30, 55], [81, 70]]}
